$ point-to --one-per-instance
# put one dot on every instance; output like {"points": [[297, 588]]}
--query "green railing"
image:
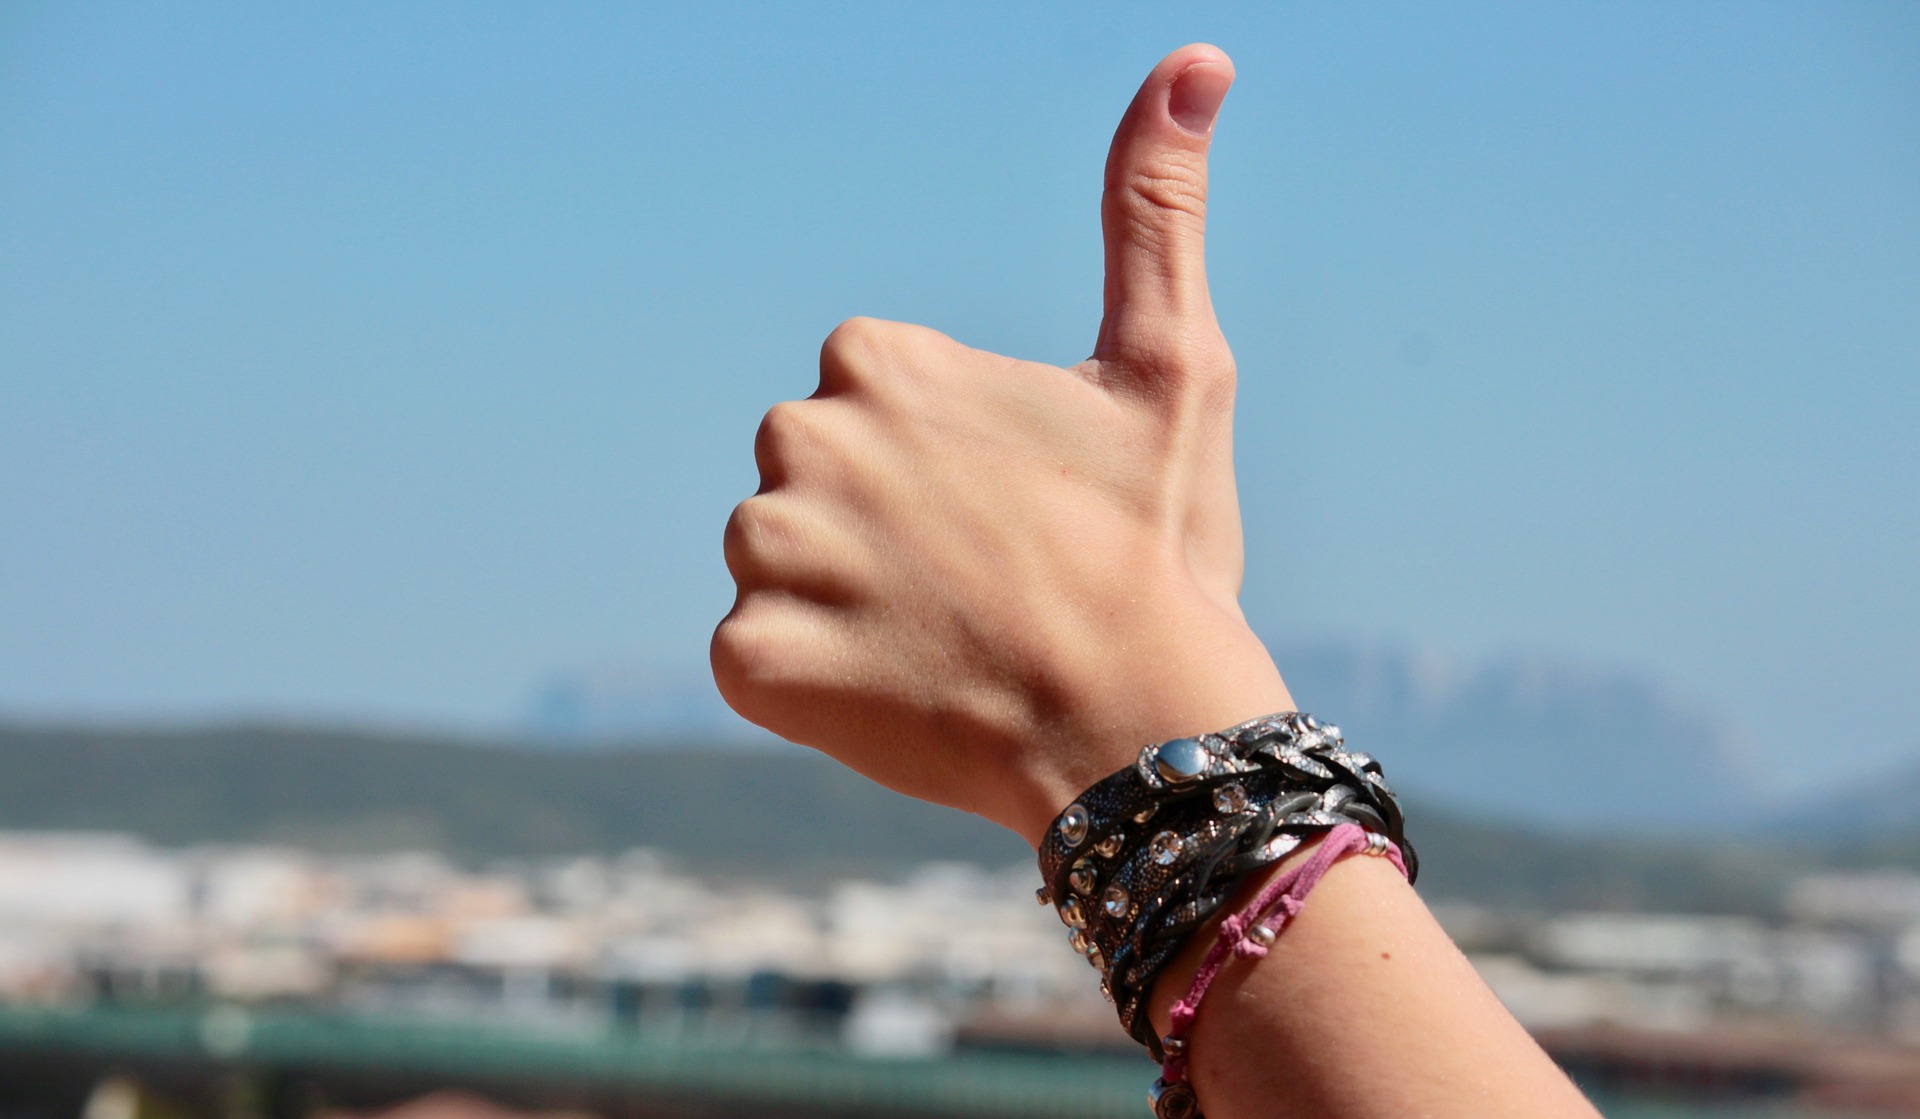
{"points": [[971, 1084], [649, 1062]]}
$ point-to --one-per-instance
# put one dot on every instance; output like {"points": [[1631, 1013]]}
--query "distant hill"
{"points": [[1872, 810], [1532, 739], [1520, 737], [351, 790], [796, 814]]}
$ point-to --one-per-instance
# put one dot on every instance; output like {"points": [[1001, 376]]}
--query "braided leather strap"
{"points": [[1151, 852]]}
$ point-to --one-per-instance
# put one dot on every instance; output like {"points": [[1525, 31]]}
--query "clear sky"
{"points": [[378, 360]]}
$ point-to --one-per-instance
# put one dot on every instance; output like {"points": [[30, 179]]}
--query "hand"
{"points": [[987, 582]]}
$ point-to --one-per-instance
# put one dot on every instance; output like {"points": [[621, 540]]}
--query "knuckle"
{"points": [[761, 656], [854, 335], [872, 355], [1178, 355], [741, 654], [787, 430], [748, 646], [736, 543], [853, 342], [1216, 387], [739, 644], [1154, 191], [1204, 362], [754, 530], [851, 351]]}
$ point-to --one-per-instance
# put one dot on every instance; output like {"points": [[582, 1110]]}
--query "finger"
{"points": [[798, 436], [1157, 314], [776, 542], [773, 653]]}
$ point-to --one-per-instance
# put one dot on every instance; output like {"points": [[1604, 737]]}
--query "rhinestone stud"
{"points": [[1181, 761], [1073, 824], [1230, 799], [1110, 846], [1084, 878], [1164, 849], [1072, 914], [1116, 902]]}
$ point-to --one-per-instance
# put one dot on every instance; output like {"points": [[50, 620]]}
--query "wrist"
{"points": [[1204, 674], [1156, 848]]}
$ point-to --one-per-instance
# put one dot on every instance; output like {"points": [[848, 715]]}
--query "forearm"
{"points": [[1362, 1008]]}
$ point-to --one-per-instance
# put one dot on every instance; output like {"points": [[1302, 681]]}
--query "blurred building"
{"points": [[950, 953]]}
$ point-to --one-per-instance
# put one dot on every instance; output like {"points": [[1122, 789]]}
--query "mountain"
{"points": [[1531, 739], [1870, 810], [1524, 738], [793, 814]]}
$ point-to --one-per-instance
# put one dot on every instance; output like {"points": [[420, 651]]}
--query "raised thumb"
{"points": [[1157, 314]]}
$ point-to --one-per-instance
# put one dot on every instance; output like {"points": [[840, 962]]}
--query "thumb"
{"points": [[1158, 319]]}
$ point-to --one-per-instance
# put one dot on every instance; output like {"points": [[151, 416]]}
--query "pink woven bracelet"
{"points": [[1251, 931]]}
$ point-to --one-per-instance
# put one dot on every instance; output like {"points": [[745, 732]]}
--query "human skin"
{"points": [[987, 582]]}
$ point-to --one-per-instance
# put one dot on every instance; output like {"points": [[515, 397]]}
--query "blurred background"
{"points": [[375, 381]]}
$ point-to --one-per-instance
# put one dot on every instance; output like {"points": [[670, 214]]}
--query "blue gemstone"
{"points": [[1181, 761]]}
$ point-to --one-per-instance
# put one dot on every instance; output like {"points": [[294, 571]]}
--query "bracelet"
{"points": [[1248, 934], [1151, 852]]}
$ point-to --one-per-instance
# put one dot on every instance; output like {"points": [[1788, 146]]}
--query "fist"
{"points": [[986, 582]]}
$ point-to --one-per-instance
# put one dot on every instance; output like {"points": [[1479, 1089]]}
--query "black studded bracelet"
{"points": [[1148, 854]]}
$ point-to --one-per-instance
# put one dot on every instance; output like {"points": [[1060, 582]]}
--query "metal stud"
{"points": [[1095, 958], [1040, 895], [1261, 935], [1172, 1101], [1084, 878], [1110, 846], [1073, 914], [1079, 941], [1074, 823]]}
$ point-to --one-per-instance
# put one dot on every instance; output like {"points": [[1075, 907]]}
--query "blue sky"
{"points": [[378, 361]]}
